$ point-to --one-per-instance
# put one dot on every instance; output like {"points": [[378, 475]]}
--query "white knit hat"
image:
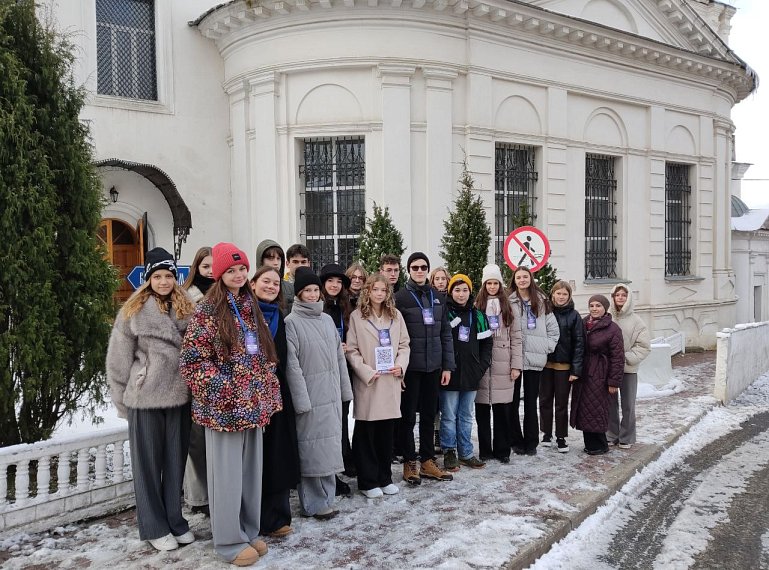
{"points": [[492, 271]]}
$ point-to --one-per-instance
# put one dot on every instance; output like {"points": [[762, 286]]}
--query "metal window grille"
{"points": [[334, 192], [678, 193], [515, 178], [125, 46], [600, 217]]}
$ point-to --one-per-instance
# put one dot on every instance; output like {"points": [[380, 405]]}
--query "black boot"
{"points": [[342, 488]]}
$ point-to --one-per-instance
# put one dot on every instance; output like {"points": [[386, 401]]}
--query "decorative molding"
{"points": [[709, 58], [329, 129]]}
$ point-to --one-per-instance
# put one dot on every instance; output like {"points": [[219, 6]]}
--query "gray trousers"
{"points": [[316, 493], [159, 439], [195, 476], [234, 461], [624, 431]]}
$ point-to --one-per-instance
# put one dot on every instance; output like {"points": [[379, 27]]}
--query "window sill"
{"points": [[615, 281], [683, 278], [129, 104]]}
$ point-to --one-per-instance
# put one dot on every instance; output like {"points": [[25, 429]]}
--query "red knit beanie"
{"points": [[225, 256]]}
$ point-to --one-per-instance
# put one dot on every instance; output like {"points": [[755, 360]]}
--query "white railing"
{"points": [[677, 342], [92, 478]]}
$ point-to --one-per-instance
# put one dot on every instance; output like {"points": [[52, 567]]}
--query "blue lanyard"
{"points": [[432, 299], [340, 330], [237, 313], [380, 330], [471, 319]]}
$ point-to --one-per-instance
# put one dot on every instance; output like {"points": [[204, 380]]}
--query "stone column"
{"points": [[242, 224]]}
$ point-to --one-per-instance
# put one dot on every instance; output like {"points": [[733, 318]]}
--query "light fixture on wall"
{"points": [[113, 193]]}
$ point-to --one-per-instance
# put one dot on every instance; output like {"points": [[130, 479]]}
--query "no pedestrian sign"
{"points": [[527, 247]]}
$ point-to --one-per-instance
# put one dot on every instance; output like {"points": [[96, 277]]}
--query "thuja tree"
{"points": [[466, 236], [379, 236], [546, 276], [55, 286]]}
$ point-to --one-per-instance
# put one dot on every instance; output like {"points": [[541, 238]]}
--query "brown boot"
{"points": [[411, 473], [247, 557], [282, 532], [260, 546], [431, 470]]}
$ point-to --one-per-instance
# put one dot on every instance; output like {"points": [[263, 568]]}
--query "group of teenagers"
{"points": [[237, 389]]}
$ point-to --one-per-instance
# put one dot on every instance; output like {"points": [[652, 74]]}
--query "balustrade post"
{"points": [[43, 477], [100, 465], [3, 484], [117, 462], [22, 482], [83, 456], [62, 473]]}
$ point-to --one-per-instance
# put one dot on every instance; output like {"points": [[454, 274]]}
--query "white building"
{"points": [[289, 119]]}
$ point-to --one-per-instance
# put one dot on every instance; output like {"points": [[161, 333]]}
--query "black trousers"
{"points": [[554, 388], [346, 449], [372, 443], [529, 438], [595, 440], [499, 445], [420, 395], [276, 511]]}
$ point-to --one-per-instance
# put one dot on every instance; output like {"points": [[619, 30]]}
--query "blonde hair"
{"points": [[364, 302], [180, 302], [438, 270]]}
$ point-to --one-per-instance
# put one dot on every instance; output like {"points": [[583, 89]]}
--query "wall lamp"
{"points": [[113, 193]]}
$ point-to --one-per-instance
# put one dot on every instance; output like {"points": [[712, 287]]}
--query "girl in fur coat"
{"points": [[147, 390]]}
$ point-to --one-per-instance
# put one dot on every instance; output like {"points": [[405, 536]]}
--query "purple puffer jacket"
{"points": [[603, 366]]}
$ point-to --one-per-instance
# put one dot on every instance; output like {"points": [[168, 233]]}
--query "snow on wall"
{"points": [[743, 356]]}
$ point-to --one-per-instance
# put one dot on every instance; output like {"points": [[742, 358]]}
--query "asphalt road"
{"points": [[715, 507]]}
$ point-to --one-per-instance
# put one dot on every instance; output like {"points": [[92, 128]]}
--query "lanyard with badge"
{"points": [[428, 318], [252, 342], [531, 319], [464, 331], [384, 355], [340, 329]]}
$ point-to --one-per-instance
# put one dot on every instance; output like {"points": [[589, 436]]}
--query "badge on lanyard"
{"points": [[252, 343], [427, 316], [464, 333], [384, 337], [493, 322]]}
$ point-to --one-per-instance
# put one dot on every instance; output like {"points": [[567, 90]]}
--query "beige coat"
{"points": [[378, 399], [634, 332], [496, 386]]}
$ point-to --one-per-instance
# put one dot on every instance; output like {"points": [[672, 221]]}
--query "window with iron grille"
{"points": [[515, 179], [600, 217], [678, 191], [333, 192], [125, 46]]}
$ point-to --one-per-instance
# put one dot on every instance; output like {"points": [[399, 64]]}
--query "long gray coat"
{"points": [[317, 377], [143, 360]]}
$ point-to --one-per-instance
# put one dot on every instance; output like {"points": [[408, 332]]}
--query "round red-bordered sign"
{"points": [[526, 247]]}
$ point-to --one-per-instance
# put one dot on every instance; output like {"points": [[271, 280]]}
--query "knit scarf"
{"points": [[270, 312], [456, 313], [203, 283]]}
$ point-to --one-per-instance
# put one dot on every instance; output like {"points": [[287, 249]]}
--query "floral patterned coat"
{"points": [[231, 391]]}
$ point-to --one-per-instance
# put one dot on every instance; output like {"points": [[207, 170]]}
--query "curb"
{"points": [[588, 504]]}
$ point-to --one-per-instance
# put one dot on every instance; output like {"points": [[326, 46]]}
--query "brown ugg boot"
{"points": [[260, 546], [247, 557]]}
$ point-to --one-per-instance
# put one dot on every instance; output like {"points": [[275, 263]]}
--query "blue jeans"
{"points": [[457, 421]]}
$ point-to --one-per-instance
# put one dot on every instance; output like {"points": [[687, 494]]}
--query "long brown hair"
{"points": [[225, 319], [504, 303], [537, 298], [280, 300], [364, 302], [342, 301], [201, 254], [180, 302]]}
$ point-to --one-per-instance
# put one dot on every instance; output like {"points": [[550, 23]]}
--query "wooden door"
{"points": [[123, 251]]}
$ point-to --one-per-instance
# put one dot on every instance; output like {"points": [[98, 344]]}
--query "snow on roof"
{"points": [[751, 221]]}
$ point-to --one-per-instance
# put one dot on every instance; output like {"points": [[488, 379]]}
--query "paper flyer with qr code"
{"points": [[385, 358]]}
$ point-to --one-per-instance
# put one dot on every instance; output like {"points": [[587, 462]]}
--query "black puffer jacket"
{"points": [[432, 347], [571, 344], [473, 357]]}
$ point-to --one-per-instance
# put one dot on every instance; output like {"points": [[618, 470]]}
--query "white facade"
{"points": [[241, 86]]}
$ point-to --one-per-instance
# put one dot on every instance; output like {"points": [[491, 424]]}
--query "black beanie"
{"points": [[417, 255], [303, 277], [158, 258]]}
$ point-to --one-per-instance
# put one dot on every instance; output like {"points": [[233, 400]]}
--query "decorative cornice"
{"points": [[711, 60]]}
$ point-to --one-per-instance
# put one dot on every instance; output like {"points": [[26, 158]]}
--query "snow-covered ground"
{"points": [[705, 508], [483, 518]]}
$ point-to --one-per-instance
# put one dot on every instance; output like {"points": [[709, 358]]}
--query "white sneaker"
{"points": [[391, 489], [625, 445], [374, 493], [167, 542], [186, 538]]}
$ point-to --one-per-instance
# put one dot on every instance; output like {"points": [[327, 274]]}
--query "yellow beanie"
{"points": [[460, 278]]}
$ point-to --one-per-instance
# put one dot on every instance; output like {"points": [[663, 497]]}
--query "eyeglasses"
{"points": [[418, 268], [356, 278]]}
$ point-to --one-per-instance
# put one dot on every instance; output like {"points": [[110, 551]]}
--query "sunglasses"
{"points": [[418, 268]]}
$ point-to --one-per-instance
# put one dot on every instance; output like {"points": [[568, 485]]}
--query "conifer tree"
{"points": [[55, 286], [466, 237], [379, 237]]}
